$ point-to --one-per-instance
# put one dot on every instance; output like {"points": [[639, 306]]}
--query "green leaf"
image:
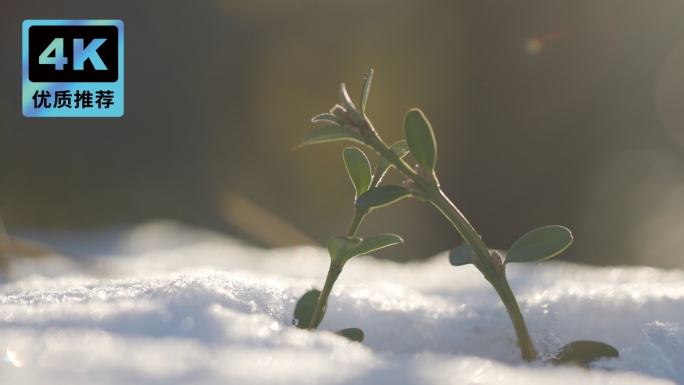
{"points": [[461, 255], [354, 334], [348, 104], [584, 352], [359, 169], [381, 196], [345, 100], [373, 243], [327, 118], [366, 89], [540, 244], [329, 134], [339, 246], [305, 309], [421, 139], [400, 149]]}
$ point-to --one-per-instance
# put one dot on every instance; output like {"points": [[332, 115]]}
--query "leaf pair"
{"points": [[537, 245], [343, 248]]}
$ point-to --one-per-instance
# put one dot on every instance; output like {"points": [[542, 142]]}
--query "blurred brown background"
{"points": [[565, 112]]}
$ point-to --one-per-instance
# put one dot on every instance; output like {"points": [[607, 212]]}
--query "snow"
{"points": [[167, 304]]}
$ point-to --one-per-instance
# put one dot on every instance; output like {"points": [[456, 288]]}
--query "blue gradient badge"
{"points": [[72, 68]]}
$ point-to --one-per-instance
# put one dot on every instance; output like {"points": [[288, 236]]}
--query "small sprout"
{"points": [[341, 250], [351, 125], [536, 245]]}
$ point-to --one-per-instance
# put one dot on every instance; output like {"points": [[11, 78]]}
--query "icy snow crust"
{"points": [[172, 305]]}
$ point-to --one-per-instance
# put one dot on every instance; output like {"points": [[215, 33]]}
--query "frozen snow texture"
{"points": [[164, 304]]}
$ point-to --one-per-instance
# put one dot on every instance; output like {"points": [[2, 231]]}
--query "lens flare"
{"points": [[535, 45], [13, 357]]}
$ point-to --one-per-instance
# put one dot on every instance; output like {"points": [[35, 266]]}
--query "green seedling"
{"points": [[346, 122], [311, 307]]}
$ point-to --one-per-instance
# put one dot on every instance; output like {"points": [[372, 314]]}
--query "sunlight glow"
{"points": [[535, 45], [13, 357]]}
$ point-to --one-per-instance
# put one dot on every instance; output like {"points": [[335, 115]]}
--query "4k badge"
{"points": [[72, 68]]}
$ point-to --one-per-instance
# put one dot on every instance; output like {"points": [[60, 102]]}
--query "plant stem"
{"points": [[508, 298], [496, 277], [334, 273], [317, 316], [359, 214]]}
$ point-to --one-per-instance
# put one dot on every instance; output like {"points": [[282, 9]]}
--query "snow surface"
{"points": [[166, 304]]}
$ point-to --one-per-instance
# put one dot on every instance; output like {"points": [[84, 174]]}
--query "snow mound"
{"points": [[166, 304]]}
